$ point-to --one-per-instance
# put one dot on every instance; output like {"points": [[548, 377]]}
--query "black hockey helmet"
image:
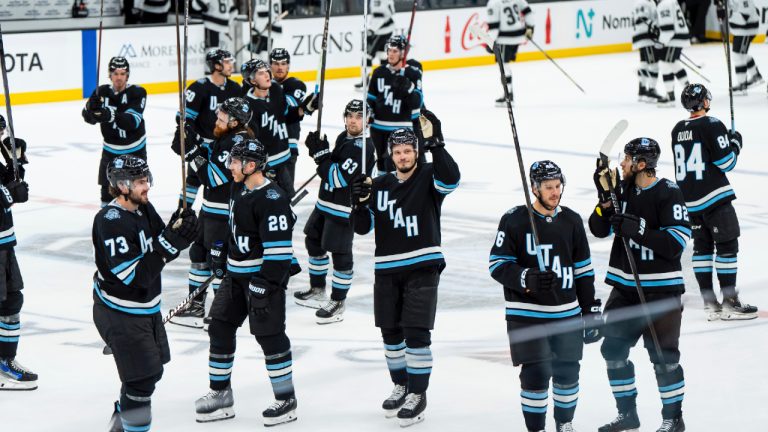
{"points": [[116, 63], [237, 109], [279, 54], [645, 149], [126, 168], [356, 106], [249, 149], [252, 66], [545, 170], [397, 41], [216, 56], [402, 136], [693, 97]]}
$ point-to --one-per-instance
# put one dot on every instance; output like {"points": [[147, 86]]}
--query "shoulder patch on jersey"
{"points": [[512, 210], [272, 194], [671, 184], [713, 119], [201, 80], [112, 214]]}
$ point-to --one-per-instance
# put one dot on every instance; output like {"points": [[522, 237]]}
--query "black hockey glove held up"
{"points": [[94, 102], [14, 193], [89, 117], [529, 32], [360, 190], [654, 31], [104, 115], [259, 290], [181, 230], [218, 259], [593, 322], [318, 147], [601, 177], [628, 225], [21, 151], [400, 86], [534, 280], [736, 142], [310, 103], [431, 130]]}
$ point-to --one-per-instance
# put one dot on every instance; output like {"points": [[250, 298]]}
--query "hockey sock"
{"points": [[741, 67], [508, 77], [680, 74], [702, 269], [221, 357], [565, 389], [279, 363], [394, 351], [215, 283], [136, 404], [653, 75], [418, 363], [341, 282], [622, 381], [534, 386], [318, 270], [10, 329], [668, 75], [752, 67], [198, 273], [191, 194], [726, 266], [671, 389], [642, 74]]}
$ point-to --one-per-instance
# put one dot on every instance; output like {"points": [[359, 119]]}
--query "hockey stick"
{"points": [[724, 25], [7, 96], [481, 34], [98, 51], [269, 28], [556, 65], [182, 109], [605, 150], [365, 84], [410, 30], [694, 70], [250, 32], [690, 60], [250, 28]]}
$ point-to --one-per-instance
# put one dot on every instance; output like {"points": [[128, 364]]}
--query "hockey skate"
{"points": [[393, 403], [741, 89], [412, 411], [733, 310], [313, 297], [331, 312], [667, 101], [624, 422], [14, 376], [281, 411], [712, 310], [359, 86], [191, 316], [214, 406], [756, 80], [642, 94], [115, 422], [652, 96], [565, 427], [672, 425]]}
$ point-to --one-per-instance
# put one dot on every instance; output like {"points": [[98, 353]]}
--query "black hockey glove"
{"points": [[182, 229], [310, 103], [95, 102], [529, 32], [318, 147], [360, 189], [3, 124], [431, 130], [193, 147], [536, 281], [593, 322], [736, 142], [601, 178], [654, 31], [21, 151], [16, 192], [488, 49], [190, 137], [89, 117], [259, 295], [104, 115], [720, 9], [400, 86], [218, 259], [628, 225]]}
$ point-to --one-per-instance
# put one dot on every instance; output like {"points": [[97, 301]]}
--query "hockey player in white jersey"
{"points": [[217, 16], [645, 25], [260, 44], [674, 36], [744, 22], [381, 24], [510, 23]]}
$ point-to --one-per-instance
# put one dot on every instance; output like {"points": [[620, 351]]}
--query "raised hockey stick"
{"points": [[98, 51], [410, 31], [556, 65], [250, 28], [269, 28], [725, 26], [481, 34], [7, 97], [365, 85], [250, 31], [182, 102], [694, 70], [605, 150]]}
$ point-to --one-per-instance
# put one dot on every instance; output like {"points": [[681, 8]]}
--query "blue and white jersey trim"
{"points": [[532, 310], [335, 178], [126, 148], [245, 266], [277, 159], [408, 258], [8, 235], [133, 308], [495, 261], [649, 280], [215, 176], [333, 209], [278, 251], [710, 198], [215, 207], [679, 233], [127, 270], [583, 269], [727, 163], [137, 117], [444, 188], [391, 125]]}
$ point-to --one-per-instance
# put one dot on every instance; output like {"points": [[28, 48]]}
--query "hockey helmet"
{"points": [[693, 97], [545, 170], [216, 56], [247, 150], [645, 149], [127, 168], [237, 109]]}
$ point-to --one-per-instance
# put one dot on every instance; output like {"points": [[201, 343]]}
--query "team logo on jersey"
{"points": [[272, 194], [112, 214]]}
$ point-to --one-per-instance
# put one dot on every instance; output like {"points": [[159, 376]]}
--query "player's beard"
{"points": [[219, 132], [407, 168], [138, 199], [546, 205]]}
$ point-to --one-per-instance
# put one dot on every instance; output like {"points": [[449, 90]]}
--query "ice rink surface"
{"points": [[339, 370]]}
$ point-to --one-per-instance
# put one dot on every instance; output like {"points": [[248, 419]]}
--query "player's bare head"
{"points": [[353, 117], [395, 49], [219, 61], [248, 156], [130, 178], [403, 148], [119, 70], [258, 73], [696, 97], [280, 61], [547, 183], [641, 155]]}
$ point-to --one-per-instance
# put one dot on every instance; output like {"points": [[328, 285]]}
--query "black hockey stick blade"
{"points": [[611, 139], [107, 350], [299, 197]]}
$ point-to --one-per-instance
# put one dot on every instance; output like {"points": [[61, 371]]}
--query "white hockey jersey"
{"points": [[261, 17], [674, 29], [382, 17], [507, 20], [643, 18], [217, 14], [744, 17], [153, 6]]}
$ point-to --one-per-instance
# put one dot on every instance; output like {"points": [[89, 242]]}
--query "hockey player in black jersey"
{"points": [[272, 113], [551, 300], [13, 376], [295, 90], [704, 152], [328, 228], [259, 258], [654, 220], [131, 246], [404, 209], [119, 109], [232, 121], [396, 98]]}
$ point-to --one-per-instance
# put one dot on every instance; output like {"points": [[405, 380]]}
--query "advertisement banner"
{"points": [[48, 9]]}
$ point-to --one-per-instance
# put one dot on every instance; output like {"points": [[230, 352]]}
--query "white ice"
{"points": [[339, 370]]}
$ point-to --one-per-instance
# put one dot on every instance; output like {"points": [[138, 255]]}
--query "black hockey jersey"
{"points": [[203, 97], [126, 134], [294, 90], [7, 231], [216, 177], [128, 262], [336, 173], [658, 252], [565, 251], [390, 113], [406, 215], [261, 225], [271, 116], [703, 155]]}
